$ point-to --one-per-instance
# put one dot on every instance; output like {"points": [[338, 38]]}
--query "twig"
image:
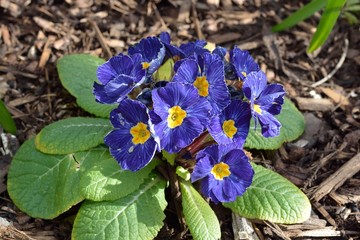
{"points": [[158, 16], [346, 171], [337, 67], [199, 33], [101, 38]]}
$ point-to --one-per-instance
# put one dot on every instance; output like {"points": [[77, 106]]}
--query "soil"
{"points": [[324, 162]]}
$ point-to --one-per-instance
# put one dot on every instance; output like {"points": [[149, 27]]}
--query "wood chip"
{"points": [[5, 35], [242, 228], [338, 98], [45, 55], [224, 37], [314, 104], [21, 101], [324, 232], [184, 12], [345, 172]]}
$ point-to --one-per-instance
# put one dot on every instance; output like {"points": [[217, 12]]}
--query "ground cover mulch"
{"points": [[325, 85]]}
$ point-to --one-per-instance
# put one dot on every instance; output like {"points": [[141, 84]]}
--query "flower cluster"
{"points": [[170, 97]]}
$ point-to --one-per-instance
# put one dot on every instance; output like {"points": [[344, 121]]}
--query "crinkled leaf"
{"points": [[106, 181], [136, 216], [6, 121], [293, 125], [45, 186], [72, 135], [272, 197], [200, 218], [77, 73]]}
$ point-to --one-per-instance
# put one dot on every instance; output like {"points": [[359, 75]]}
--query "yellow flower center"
{"points": [[202, 86], [229, 128], [244, 74], [175, 117], [220, 171], [139, 133], [145, 65], [257, 109]]}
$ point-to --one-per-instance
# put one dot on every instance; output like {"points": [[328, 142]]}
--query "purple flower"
{"points": [[243, 62], [265, 101], [152, 52], [225, 172], [180, 115], [207, 75], [131, 142], [171, 50], [232, 125], [118, 77], [197, 47]]}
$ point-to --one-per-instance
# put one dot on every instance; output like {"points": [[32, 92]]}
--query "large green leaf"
{"points": [[6, 120], [293, 125], [136, 216], [326, 24], [201, 219], [106, 181], [45, 185], [72, 135], [77, 74], [272, 197], [300, 15]]}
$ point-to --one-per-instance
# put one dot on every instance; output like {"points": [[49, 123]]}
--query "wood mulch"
{"points": [[325, 85]]}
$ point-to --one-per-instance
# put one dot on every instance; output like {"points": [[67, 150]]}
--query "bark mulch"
{"points": [[325, 85]]}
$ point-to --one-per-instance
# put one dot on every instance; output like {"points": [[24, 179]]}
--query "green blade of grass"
{"points": [[326, 24], [300, 15], [6, 120]]}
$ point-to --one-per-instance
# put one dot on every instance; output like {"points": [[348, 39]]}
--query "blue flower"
{"points": [[180, 115], [265, 100], [207, 75], [225, 172], [171, 50], [197, 47], [152, 52], [232, 125], [243, 62], [118, 77], [131, 142]]}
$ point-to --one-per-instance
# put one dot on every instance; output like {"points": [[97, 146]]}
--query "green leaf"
{"points": [[45, 186], [6, 120], [293, 125], [300, 15], [72, 135], [351, 18], [272, 197], [354, 8], [106, 181], [165, 71], [77, 74], [136, 216], [183, 173], [326, 24], [200, 218]]}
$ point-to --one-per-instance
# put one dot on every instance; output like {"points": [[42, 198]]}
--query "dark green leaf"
{"points": [[72, 135], [6, 121], [77, 74]]}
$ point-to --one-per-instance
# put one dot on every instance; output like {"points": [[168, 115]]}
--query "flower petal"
{"points": [[254, 84]]}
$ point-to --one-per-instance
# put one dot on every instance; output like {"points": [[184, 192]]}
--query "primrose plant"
{"points": [[168, 116]]}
